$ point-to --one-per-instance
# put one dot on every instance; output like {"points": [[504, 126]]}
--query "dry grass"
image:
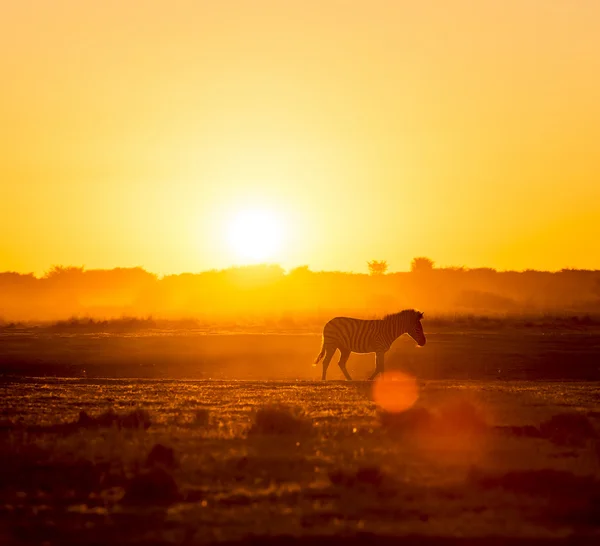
{"points": [[280, 420], [286, 323], [297, 459]]}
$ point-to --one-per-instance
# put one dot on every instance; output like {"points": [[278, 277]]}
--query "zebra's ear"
{"points": [[420, 315]]}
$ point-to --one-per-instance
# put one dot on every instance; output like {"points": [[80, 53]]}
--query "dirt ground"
{"points": [[123, 461], [187, 354]]}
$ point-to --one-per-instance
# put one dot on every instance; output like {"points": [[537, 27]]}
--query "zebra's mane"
{"points": [[414, 312]]}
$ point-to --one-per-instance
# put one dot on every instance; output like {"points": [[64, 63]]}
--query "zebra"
{"points": [[367, 336]]}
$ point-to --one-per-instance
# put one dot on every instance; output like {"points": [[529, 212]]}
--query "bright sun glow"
{"points": [[255, 235]]}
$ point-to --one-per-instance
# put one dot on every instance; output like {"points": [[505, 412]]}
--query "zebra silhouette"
{"points": [[351, 335]]}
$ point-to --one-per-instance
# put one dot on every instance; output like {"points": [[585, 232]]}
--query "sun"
{"points": [[255, 235]]}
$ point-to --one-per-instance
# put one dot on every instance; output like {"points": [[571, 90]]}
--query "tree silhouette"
{"points": [[421, 264], [59, 271], [377, 268], [301, 270]]}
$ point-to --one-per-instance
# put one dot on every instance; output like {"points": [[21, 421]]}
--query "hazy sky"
{"points": [[135, 132]]}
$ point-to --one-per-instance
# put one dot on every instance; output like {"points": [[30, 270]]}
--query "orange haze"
{"points": [[268, 296]]}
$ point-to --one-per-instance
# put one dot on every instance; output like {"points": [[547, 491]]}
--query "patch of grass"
{"points": [[568, 429], [545, 482], [161, 455], [363, 476], [123, 324], [563, 429], [527, 431], [280, 420], [318, 465], [201, 418], [135, 419]]}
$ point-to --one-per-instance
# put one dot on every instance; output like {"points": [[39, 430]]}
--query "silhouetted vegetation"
{"points": [[136, 419], [421, 264], [377, 268], [280, 420], [259, 294], [563, 429], [366, 476]]}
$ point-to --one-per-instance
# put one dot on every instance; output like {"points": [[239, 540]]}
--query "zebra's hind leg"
{"points": [[345, 354], [329, 352]]}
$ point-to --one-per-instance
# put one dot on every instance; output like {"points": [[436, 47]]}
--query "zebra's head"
{"points": [[407, 322], [415, 329]]}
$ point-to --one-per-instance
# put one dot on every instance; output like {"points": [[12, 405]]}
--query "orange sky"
{"points": [[133, 132]]}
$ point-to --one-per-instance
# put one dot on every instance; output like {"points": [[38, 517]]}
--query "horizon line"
{"points": [[289, 270]]}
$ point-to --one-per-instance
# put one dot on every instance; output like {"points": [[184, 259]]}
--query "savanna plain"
{"points": [[185, 436]]}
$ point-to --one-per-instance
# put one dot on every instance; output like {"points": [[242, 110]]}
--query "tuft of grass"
{"points": [[162, 456], [136, 419], [363, 476], [546, 482], [279, 420], [527, 431], [88, 325], [568, 429], [201, 418], [563, 429]]}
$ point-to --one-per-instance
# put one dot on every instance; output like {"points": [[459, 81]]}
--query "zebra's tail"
{"points": [[321, 354]]}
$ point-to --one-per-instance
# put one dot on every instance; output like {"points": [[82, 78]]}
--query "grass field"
{"points": [[501, 445], [235, 463]]}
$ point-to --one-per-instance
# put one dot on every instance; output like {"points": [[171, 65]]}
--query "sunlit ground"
{"points": [[468, 458]]}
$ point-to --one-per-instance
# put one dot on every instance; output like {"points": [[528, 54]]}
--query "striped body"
{"points": [[351, 335], [359, 336]]}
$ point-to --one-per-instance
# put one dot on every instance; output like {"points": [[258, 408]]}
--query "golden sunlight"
{"points": [[255, 235]]}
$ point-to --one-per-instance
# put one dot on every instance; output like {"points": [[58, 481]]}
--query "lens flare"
{"points": [[395, 392]]}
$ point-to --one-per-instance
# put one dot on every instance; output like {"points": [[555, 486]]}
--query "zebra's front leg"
{"points": [[345, 354], [378, 365]]}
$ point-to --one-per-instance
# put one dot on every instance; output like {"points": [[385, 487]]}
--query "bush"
{"points": [[137, 418], [568, 429], [279, 420]]}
